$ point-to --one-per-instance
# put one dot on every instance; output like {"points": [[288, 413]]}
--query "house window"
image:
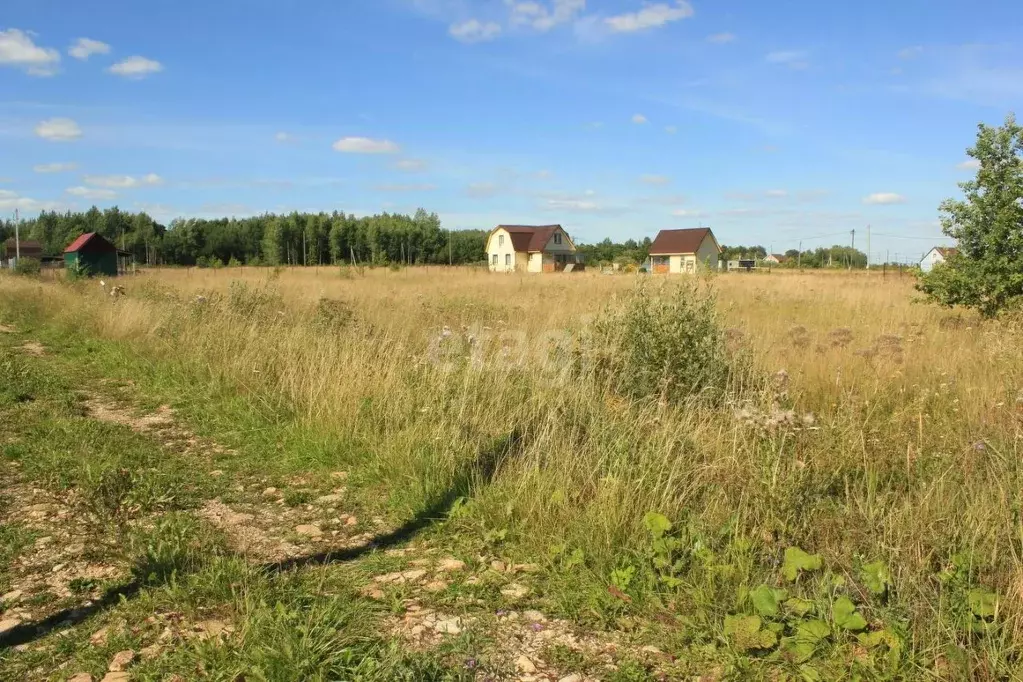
{"points": [[557, 237], [500, 240], [493, 259], [507, 259]]}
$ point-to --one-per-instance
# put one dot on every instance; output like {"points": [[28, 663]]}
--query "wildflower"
{"points": [[471, 664], [980, 446], [536, 627]]}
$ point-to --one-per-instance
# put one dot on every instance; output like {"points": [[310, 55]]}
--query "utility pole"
{"points": [[17, 237], [868, 247]]}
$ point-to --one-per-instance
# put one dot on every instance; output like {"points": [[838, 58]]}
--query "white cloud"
{"points": [[91, 193], [123, 181], [481, 190], [17, 49], [776, 193], [969, 164], [671, 130], [687, 213], [10, 200], [285, 138], [651, 16], [406, 188], [410, 165], [573, 205], [58, 130], [365, 145], [541, 17], [85, 47], [655, 179], [474, 31], [54, 167], [544, 174], [794, 59], [136, 67], [721, 38], [910, 52], [884, 198], [595, 125], [639, 119]]}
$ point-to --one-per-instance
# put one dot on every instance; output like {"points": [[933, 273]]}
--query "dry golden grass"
{"points": [[912, 457]]}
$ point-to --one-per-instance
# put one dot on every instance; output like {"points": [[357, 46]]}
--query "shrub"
{"points": [[28, 266], [667, 343]]}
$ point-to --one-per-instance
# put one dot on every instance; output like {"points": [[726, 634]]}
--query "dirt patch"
{"points": [[34, 348], [7, 329], [160, 423]]}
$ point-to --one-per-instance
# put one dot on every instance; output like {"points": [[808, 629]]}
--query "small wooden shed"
{"points": [[93, 254]]}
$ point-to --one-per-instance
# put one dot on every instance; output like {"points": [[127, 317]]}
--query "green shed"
{"points": [[93, 254]]}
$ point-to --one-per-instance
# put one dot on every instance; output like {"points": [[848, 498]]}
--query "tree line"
{"points": [[269, 239]]}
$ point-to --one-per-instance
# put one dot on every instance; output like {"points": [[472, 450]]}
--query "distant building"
{"points": [[776, 258], [678, 251], [93, 254], [936, 256], [528, 248], [27, 248]]}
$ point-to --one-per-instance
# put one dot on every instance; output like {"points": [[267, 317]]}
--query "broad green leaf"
{"points": [[765, 600], [813, 631], [983, 602], [876, 577], [871, 640], [798, 606], [796, 560], [746, 634], [796, 651], [809, 674], [844, 613], [656, 524]]}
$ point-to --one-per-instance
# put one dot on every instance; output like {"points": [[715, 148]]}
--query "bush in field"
{"points": [[987, 272], [28, 266], [666, 343]]}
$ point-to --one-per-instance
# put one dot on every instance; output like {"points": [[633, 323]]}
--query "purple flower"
{"points": [[501, 612], [471, 664], [536, 627]]}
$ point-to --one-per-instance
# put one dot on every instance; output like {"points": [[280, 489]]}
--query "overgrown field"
{"points": [[753, 476]]}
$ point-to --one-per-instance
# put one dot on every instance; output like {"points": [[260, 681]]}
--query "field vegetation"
{"points": [[784, 476]]}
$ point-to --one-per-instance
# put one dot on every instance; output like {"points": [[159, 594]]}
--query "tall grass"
{"points": [[892, 431]]}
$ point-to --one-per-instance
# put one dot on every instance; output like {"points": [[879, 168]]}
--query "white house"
{"points": [[676, 251], [935, 256], [528, 248]]}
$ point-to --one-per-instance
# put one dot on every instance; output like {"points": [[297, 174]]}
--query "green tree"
{"points": [[987, 272]]}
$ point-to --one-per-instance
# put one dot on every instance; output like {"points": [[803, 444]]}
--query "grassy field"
{"points": [[439, 473]]}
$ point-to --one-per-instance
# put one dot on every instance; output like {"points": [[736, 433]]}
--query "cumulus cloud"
{"points": [[285, 138], [776, 193], [884, 198], [542, 17], [639, 119], [365, 145], [58, 130], [11, 200], [687, 213], [654, 179], [86, 47], [651, 16], [123, 181], [17, 49], [91, 193], [671, 130], [969, 164], [794, 59], [54, 167], [721, 38], [136, 67], [410, 165], [474, 31]]}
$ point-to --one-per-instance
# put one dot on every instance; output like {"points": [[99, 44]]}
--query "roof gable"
{"points": [[94, 239], [530, 238], [672, 242]]}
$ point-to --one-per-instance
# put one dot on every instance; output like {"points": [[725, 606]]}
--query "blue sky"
{"points": [[771, 122]]}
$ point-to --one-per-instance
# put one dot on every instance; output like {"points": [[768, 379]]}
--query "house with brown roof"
{"points": [[529, 248], [936, 256], [776, 258], [684, 251]]}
